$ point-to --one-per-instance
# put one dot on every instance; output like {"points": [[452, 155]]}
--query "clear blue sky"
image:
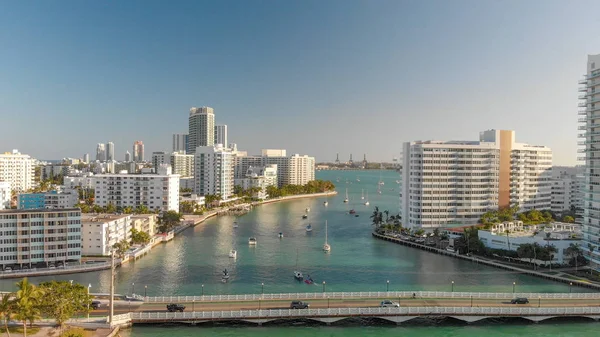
{"points": [[314, 77]]}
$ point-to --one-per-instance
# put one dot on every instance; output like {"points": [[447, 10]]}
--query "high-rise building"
{"points": [[182, 164], [159, 191], [159, 158], [110, 151], [17, 169], [590, 117], [100, 152], [214, 171], [201, 128], [181, 142], [39, 238], [221, 135], [86, 158], [455, 182], [127, 157], [138, 151], [567, 183]]}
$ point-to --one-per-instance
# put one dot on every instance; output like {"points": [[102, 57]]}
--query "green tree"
{"points": [[568, 219], [139, 237], [142, 209], [110, 208], [7, 308], [574, 251], [27, 303], [121, 248], [62, 300], [376, 216], [168, 220]]}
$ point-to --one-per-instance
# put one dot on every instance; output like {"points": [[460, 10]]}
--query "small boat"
{"points": [[252, 241], [346, 200], [309, 280], [362, 195], [298, 274], [367, 202], [325, 203], [352, 211], [397, 181], [309, 228], [307, 209], [304, 216], [280, 235], [326, 246], [356, 215], [357, 179], [233, 253], [225, 275], [235, 225], [450, 249]]}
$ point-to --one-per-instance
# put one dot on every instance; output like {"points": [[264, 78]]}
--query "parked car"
{"points": [[299, 305], [389, 304], [175, 307], [95, 305], [520, 300]]}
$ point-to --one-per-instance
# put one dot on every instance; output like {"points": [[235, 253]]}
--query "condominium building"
{"points": [[291, 170], [567, 183], [214, 166], [221, 135], [259, 177], [101, 231], [138, 151], [181, 142], [182, 164], [5, 195], [127, 156], [17, 169], [147, 223], [159, 158], [201, 128], [52, 199], [110, 151], [100, 152], [78, 180], [39, 238], [158, 192], [589, 110], [455, 182], [53, 171]]}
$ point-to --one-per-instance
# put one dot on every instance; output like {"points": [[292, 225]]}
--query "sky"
{"points": [[315, 77]]}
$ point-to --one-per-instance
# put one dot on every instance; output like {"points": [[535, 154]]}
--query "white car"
{"points": [[389, 304]]}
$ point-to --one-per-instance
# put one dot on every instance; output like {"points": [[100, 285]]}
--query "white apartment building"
{"points": [[147, 223], [17, 169], [201, 128], [455, 182], [79, 180], [159, 158], [182, 164], [214, 171], [40, 237], [260, 177], [221, 135], [110, 151], [156, 191], [567, 184], [99, 232], [589, 110], [5, 195], [291, 170]]}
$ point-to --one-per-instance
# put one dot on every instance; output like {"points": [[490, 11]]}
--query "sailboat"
{"points": [[298, 274], [362, 195], [346, 200], [326, 246], [357, 179], [380, 180], [367, 202]]}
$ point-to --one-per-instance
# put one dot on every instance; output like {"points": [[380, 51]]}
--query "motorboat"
{"points": [[280, 235], [367, 201], [325, 203], [362, 195], [235, 225], [309, 280], [304, 216], [352, 211], [233, 253], [326, 246], [252, 241], [309, 228], [298, 274], [346, 200], [307, 209], [225, 275]]}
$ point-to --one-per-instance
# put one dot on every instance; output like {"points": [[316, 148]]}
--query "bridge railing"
{"points": [[346, 312], [369, 295]]}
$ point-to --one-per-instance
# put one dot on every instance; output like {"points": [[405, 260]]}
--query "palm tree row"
{"points": [[24, 305]]}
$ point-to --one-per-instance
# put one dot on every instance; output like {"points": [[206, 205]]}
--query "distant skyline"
{"points": [[313, 77]]}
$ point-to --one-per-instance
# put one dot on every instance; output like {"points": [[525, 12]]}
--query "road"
{"points": [[124, 307]]}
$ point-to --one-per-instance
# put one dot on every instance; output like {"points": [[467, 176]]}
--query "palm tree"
{"points": [[6, 310], [375, 215], [27, 303], [387, 215], [507, 238], [591, 248]]}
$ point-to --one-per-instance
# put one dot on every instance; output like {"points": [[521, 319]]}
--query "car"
{"points": [[299, 305], [389, 304], [175, 307], [520, 300], [95, 305]]}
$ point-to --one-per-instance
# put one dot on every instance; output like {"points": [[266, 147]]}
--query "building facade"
{"points": [[52, 199], [39, 238], [138, 151], [567, 183], [110, 151], [18, 170], [455, 182], [180, 142], [100, 152], [158, 192], [291, 170], [182, 164], [201, 128], [101, 231], [5, 195], [214, 171], [159, 158], [221, 135], [259, 177]]}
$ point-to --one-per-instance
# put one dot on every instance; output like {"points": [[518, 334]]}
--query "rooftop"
{"points": [[95, 217], [39, 210]]}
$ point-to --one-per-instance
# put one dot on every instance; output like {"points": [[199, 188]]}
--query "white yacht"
{"points": [[325, 203], [233, 253], [326, 246], [298, 274], [367, 201], [252, 241]]}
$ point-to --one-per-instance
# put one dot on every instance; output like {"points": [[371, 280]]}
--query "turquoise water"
{"points": [[357, 262]]}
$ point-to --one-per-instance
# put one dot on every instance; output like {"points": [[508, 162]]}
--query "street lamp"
{"points": [[570, 287], [539, 301], [203, 290], [262, 289], [327, 302], [514, 284], [145, 291], [452, 286], [388, 285], [471, 301], [323, 286], [132, 288], [88, 301]]}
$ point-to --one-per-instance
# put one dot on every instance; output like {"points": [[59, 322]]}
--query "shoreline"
{"points": [[489, 263], [191, 221]]}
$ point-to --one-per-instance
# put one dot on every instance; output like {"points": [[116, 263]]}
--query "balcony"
{"points": [[582, 105], [583, 81], [582, 112], [582, 89]]}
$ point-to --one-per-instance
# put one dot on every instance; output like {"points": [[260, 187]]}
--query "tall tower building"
{"points": [[127, 157], [221, 135], [180, 142], [138, 151], [110, 151], [86, 158], [201, 128], [589, 110], [214, 171], [100, 152]]}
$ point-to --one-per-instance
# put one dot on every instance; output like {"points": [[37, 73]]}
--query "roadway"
{"points": [[121, 307]]}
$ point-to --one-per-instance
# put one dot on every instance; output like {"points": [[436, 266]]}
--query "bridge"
{"points": [[337, 306]]}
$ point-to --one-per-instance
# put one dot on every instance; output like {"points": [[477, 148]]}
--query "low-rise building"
{"points": [[83, 180], [147, 223], [259, 177], [52, 199], [199, 200], [39, 238], [101, 231], [5, 195], [511, 235]]}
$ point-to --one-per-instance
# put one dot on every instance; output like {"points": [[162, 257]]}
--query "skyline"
{"points": [[314, 78]]}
